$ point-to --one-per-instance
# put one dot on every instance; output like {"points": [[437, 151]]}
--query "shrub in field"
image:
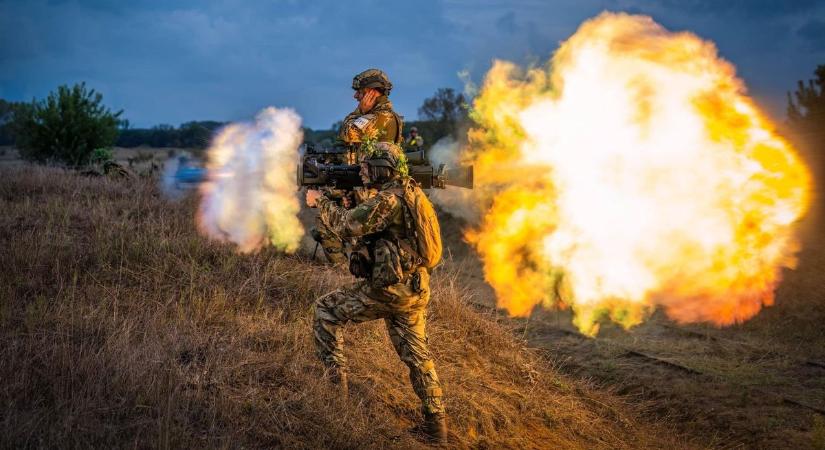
{"points": [[101, 155], [66, 127]]}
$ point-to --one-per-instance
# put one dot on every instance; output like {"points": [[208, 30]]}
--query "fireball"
{"points": [[630, 173]]}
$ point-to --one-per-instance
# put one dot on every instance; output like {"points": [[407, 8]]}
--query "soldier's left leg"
{"points": [[408, 335], [332, 312]]}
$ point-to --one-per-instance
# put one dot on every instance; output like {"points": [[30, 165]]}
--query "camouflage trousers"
{"points": [[404, 313]]}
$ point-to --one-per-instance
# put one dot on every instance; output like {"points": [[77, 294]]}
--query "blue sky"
{"points": [[174, 61]]}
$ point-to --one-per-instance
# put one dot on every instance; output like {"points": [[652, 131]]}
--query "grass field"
{"points": [[121, 327]]}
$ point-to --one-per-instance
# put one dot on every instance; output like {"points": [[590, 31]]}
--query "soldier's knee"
{"points": [[324, 305]]}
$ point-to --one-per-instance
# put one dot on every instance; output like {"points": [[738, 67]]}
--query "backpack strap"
{"points": [[408, 218]]}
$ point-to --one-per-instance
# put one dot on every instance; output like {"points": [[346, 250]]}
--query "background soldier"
{"points": [[414, 142], [394, 284], [373, 121]]}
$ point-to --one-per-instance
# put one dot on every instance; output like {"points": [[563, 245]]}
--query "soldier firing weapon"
{"points": [[327, 167]]}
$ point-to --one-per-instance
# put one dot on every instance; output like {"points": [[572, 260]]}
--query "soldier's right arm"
{"points": [[369, 217]]}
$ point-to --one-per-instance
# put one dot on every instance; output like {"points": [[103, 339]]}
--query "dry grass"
{"points": [[121, 327]]}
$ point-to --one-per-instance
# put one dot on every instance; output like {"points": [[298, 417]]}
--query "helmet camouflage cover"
{"points": [[372, 78], [387, 154]]}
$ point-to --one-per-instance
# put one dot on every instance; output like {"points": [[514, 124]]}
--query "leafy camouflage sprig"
{"points": [[401, 165]]}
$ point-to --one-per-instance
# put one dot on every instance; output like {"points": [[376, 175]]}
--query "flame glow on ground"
{"points": [[250, 195], [632, 172]]}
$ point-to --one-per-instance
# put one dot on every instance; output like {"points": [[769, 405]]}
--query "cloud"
{"points": [[742, 8], [170, 62]]}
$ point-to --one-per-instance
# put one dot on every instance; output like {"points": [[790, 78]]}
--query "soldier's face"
{"points": [[363, 93]]}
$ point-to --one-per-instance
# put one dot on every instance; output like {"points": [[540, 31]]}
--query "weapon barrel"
{"points": [[316, 169], [416, 158], [338, 176]]}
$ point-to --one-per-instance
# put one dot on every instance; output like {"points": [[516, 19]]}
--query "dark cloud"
{"points": [[173, 61], [742, 8], [224, 60]]}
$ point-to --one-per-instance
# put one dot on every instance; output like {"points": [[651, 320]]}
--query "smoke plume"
{"points": [[250, 196]]}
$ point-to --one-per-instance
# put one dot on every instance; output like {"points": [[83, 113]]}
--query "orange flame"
{"points": [[633, 172]]}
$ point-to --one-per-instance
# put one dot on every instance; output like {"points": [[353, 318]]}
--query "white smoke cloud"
{"points": [[455, 201], [250, 196]]}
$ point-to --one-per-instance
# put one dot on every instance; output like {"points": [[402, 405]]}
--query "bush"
{"points": [[66, 127], [102, 155]]}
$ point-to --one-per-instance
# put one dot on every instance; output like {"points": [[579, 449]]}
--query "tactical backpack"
{"points": [[424, 229]]}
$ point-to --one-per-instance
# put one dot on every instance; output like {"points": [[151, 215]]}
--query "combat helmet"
{"points": [[389, 155], [372, 78]]}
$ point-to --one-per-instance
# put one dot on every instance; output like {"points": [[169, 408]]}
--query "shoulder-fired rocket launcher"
{"points": [[327, 167]]}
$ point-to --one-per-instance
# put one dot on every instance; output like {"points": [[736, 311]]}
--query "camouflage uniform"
{"points": [[396, 290], [414, 143], [380, 124]]}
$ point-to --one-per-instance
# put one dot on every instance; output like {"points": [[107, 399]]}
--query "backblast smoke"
{"points": [[250, 197]]}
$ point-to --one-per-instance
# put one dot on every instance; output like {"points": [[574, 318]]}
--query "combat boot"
{"points": [[435, 428]]}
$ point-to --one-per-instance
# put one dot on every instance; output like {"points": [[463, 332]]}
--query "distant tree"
{"points": [[66, 127], [806, 117], [194, 135], [163, 135], [444, 106], [7, 110], [441, 115], [806, 108]]}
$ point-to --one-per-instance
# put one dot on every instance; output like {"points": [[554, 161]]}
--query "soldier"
{"points": [[414, 142], [394, 284], [373, 121]]}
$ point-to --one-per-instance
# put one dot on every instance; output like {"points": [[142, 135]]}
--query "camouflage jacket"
{"points": [[379, 224], [381, 124]]}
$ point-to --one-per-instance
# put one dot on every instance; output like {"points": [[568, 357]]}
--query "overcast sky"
{"points": [[174, 61]]}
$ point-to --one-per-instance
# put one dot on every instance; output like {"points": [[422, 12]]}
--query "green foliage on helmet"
{"points": [[385, 154], [401, 165]]}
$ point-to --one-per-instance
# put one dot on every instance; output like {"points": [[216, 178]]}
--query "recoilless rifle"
{"points": [[327, 167]]}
